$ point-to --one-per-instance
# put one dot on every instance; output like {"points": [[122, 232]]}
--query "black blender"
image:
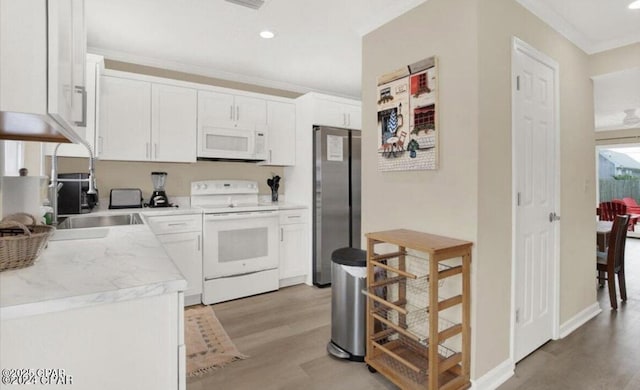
{"points": [[158, 196]]}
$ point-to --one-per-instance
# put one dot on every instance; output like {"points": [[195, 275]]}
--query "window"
{"points": [[13, 157], [424, 118]]}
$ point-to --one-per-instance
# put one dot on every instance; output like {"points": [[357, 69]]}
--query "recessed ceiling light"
{"points": [[266, 34], [635, 5]]}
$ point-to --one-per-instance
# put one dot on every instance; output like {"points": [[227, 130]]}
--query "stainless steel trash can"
{"points": [[348, 304]]}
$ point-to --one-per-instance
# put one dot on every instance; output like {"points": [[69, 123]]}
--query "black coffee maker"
{"points": [[158, 196], [73, 197]]}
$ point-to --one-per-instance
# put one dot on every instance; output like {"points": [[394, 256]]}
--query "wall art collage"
{"points": [[408, 119]]}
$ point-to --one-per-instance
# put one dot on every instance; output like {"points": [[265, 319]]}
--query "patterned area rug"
{"points": [[208, 345]]}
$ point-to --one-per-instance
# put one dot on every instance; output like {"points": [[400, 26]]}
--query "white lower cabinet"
{"points": [[185, 249], [294, 247], [131, 344], [181, 238]]}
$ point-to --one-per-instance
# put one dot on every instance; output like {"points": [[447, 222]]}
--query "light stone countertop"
{"points": [[128, 263]]}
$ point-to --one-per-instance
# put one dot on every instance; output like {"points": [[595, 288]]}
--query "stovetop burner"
{"points": [[227, 196]]}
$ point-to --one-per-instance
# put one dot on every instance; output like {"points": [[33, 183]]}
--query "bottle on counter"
{"points": [[47, 212]]}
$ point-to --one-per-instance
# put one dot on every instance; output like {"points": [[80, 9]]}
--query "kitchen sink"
{"points": [[83, 222], [78, 234]]}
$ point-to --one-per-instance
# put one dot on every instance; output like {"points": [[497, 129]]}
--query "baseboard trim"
{"points": [[579, 319], [292, 281], [495, 377]]}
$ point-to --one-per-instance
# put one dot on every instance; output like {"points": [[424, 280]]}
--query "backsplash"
{"points": [[127, 174]]}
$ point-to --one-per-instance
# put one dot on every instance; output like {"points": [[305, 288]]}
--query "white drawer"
{"points": [[293, 216], [175, 223]]}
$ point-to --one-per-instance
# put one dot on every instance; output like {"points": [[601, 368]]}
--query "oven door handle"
{"points": [[246, 215], [238, 275]]}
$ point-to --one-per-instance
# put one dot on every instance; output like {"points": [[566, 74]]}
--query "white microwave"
{"points": [[230, 142]]}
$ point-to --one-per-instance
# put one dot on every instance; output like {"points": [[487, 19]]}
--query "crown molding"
{"points": [[392, 12], [558, 23], [116, 55]]}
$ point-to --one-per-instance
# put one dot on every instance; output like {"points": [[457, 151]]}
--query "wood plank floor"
{"points": [[285, 334], [603, 354]]}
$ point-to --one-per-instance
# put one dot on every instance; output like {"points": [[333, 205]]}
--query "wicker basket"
{"points": [[20, 244]]}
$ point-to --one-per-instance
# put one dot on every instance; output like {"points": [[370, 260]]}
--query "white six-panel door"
{"points": [[535, 170]]}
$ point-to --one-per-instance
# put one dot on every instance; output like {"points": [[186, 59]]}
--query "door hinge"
{"points": [[517, 83], [517, 316]]}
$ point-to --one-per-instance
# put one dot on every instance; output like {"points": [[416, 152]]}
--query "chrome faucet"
{"points": [[56, 183]]}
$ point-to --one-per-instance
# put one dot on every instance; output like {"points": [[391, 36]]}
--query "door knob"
{"points": [[553, 217]]}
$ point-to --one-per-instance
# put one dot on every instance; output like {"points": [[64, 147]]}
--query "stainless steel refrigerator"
{"points": [[336, 196]]}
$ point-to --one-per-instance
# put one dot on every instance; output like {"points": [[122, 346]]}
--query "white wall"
{"points": [[470, 197]]}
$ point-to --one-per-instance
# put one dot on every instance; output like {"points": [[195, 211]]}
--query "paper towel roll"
{"points": [[22, 194]]}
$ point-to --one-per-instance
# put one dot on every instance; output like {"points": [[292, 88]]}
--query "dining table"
{"points": [[603, 231]]}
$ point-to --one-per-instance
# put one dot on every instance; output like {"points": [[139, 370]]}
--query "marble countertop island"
{"points": [[128, 263]]}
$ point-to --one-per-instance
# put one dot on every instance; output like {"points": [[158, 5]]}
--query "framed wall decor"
{"points": [[408, 117]]}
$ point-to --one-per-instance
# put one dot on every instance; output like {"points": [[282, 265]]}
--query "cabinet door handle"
{"points": [[231, 112], [155, 145], [348, 119], [281, 234], [270, 155], [237, 113], [83, 91], [198, 243], [146, 150]]}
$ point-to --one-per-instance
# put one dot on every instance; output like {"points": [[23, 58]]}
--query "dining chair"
{"points": [[611, 262], [633, 219], [609, 210]]}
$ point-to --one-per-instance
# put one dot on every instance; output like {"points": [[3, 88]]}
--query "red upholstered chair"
{"points": [[611, 262], [632, 206], [620, 207]]}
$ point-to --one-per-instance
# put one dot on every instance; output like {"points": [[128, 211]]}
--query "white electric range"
{"points": [[240, 240]]}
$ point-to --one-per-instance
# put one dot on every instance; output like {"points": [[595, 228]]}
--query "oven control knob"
{"points": [[204, 186], [197, 186]]}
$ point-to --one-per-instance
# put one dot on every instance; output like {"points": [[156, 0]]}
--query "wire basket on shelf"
{"points": [[21, 244]]}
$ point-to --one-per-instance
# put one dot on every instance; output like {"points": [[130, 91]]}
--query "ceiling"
{"points": [[316, 48], [318, 43], [593, 25], [613, 94]]}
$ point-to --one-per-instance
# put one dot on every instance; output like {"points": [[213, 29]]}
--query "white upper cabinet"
{"points": [[81, 96], [124, 131], [215, 107], [42, 68], [227, 110], [67, 62], [353, 116], [281, 128], [337, 114], [145, 121], [94, 66], [61, 61], [250, 110], [173, 123]]}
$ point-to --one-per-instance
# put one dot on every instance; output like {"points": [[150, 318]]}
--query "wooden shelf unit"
{"points": [[405, 332]]}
